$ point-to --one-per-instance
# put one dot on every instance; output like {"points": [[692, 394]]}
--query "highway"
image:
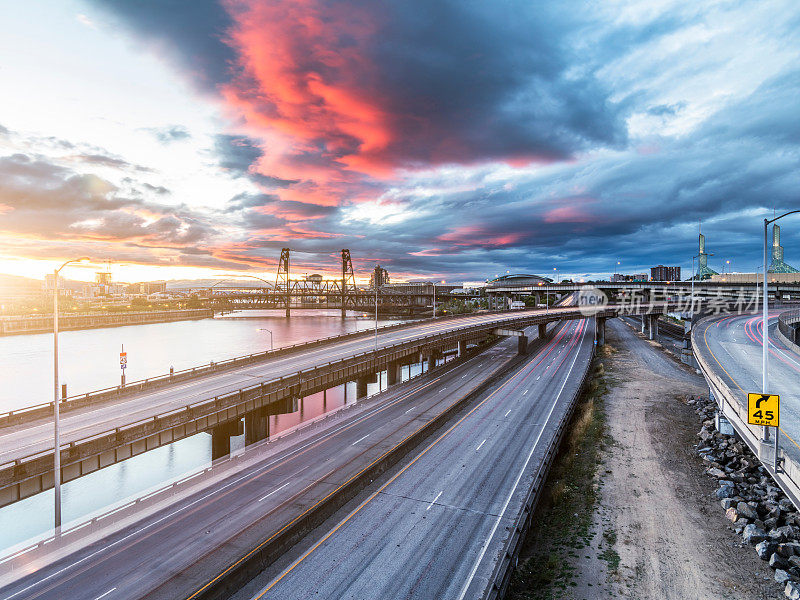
{"points": [[174, 552], [436, 527], [27, 439], [733, 344]]}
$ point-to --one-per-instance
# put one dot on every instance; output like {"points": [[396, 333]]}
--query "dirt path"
{"points": [[653, 530]]}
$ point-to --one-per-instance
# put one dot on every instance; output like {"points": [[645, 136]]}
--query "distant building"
{"points": [[379, 277], [517, 279], [145, 288], [662, 273]]}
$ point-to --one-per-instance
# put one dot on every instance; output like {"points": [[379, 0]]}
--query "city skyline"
{"points": [[182, 144]]}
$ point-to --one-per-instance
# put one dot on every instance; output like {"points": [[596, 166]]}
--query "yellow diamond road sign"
{"points": [[763, 409]]}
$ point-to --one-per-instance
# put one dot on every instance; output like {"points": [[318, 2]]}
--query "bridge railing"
{"points": [[787, 325], [732, 407]]}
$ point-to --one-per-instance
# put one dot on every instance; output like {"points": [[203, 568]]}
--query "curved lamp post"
{"points": [[56, 429], [765, 332]]}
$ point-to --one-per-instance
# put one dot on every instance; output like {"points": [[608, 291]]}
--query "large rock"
{"points": [[776, 561], [746, 511], [753, 535], [792, 591], [732, 514], [727, 503], [781, 576], [786, 550], [781, 534], [766, 549], [726, 491], [718, 473], [794, 561]]}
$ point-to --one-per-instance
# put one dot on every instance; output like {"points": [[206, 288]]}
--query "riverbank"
{"points": [[20, 325]]}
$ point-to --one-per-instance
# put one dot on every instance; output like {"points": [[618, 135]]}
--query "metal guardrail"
{"points": [[736, 412], [786, 325]]}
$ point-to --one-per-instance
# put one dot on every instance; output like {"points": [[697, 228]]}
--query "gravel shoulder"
{"points": [[649, 525]]}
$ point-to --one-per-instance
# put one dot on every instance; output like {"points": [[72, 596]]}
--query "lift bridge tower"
{"points": [[348, 283], [282, 284]]}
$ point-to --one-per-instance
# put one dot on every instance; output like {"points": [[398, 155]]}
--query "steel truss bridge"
{"points": [[341, 294]]}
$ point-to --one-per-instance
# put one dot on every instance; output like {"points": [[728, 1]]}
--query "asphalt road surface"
{"points": [[174, 552], [733, 344], [27, 439], [435, 528]]}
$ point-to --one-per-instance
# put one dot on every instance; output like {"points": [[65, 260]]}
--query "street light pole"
{"points": [[765, 332], [434, 299], [269, 331], [56, 416], [376, 316]]}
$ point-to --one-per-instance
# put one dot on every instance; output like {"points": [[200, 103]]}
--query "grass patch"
{"points": [[563, 518]]}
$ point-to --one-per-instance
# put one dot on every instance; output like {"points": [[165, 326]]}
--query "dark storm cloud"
{"points": [[456, 81], [189, 31]]}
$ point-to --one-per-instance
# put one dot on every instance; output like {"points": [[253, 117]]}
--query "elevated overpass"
{"points": [[110, 426], [744, 293]]}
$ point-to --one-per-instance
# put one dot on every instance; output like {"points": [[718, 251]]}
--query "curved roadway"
{"points": [[733, 345]]}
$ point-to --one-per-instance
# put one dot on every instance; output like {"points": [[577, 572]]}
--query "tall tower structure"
{"points": [[703, 270], [777, 265]]}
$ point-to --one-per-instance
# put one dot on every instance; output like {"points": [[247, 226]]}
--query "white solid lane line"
{"points": [[434, 500], [360, 439], [273, 491], [526, 391], [479, 445], [105, 594], [508, 411]]}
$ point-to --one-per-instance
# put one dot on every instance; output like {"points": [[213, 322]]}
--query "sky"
{"points": [[443, 139]]}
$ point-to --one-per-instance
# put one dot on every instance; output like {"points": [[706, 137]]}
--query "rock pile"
{"points": [[759, 510]]}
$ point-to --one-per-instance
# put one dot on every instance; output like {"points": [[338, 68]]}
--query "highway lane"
{"points": [[733, 343], [174, 551], [436, 527], [24, 440]]}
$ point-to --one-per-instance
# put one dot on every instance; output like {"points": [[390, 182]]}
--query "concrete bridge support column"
{"points": [[542, 331], [522, 344], [221, 438], [462, 348], [361, 387], [653, 326], [394, 372], [256, 425], [644, 322], [601, 331]]}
